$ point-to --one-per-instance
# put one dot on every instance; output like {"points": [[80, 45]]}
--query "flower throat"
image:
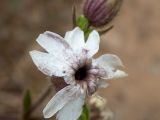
{"points": [[81, 73]]}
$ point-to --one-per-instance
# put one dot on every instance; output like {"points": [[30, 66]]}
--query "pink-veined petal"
{"points": [[110, 63], [49, 64], [120, 74], [52, 42], [57, 46], [92, 43], [109, 60], [102, 84], [68, 37], [62, 98], [112, 73], [92, 84], [75, 39], [72, 110]]}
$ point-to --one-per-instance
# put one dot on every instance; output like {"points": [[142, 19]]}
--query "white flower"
{"points": [[71, 58]]}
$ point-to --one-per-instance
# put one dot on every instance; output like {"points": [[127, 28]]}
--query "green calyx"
{"points": [[83, 23]]}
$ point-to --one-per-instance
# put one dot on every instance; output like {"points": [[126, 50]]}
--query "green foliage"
{"points": [[85, 113], [26, 103], [83, 23]]}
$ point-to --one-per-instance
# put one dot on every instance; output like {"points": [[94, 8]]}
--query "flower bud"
{"points": [[101, 12]]}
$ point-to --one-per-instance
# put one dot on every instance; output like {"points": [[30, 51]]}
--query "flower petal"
{"points": [[48, 64], [111, 73], [120, 74], [57, 46], [75, 39], [72, 110], [92, 43], [52, 42], [62, 98], [109, 60], [92, 84], [110, 63], [68, 37], [102, 84]]}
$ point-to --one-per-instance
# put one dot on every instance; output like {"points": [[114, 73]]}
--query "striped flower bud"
{"points": [[101, 12]]}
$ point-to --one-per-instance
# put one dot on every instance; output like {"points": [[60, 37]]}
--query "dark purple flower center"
{"points": [[81, 73]]}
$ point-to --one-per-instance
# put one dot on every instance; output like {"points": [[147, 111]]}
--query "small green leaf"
{"points": [[85, 113], [26, 103], [82, 22]]}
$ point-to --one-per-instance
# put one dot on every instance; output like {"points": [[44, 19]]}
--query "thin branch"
{"points": [[106, 30], [39, 101], [74, 14]]}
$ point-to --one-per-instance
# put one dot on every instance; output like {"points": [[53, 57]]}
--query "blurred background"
{"points": [[134, 38]]}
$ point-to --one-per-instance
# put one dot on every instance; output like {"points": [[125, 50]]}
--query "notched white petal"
{"points": [[92, 84], [72, 110], [60, 55], [102, 84], [109, 63], [120, 74], [52, 42], [92, 43], [68, 37], [109, 60], [48, 64], [110, 74], [63, 97], [76, 39]]}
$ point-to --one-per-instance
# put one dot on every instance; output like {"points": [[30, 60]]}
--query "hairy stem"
{"points": [[74, 14]]}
